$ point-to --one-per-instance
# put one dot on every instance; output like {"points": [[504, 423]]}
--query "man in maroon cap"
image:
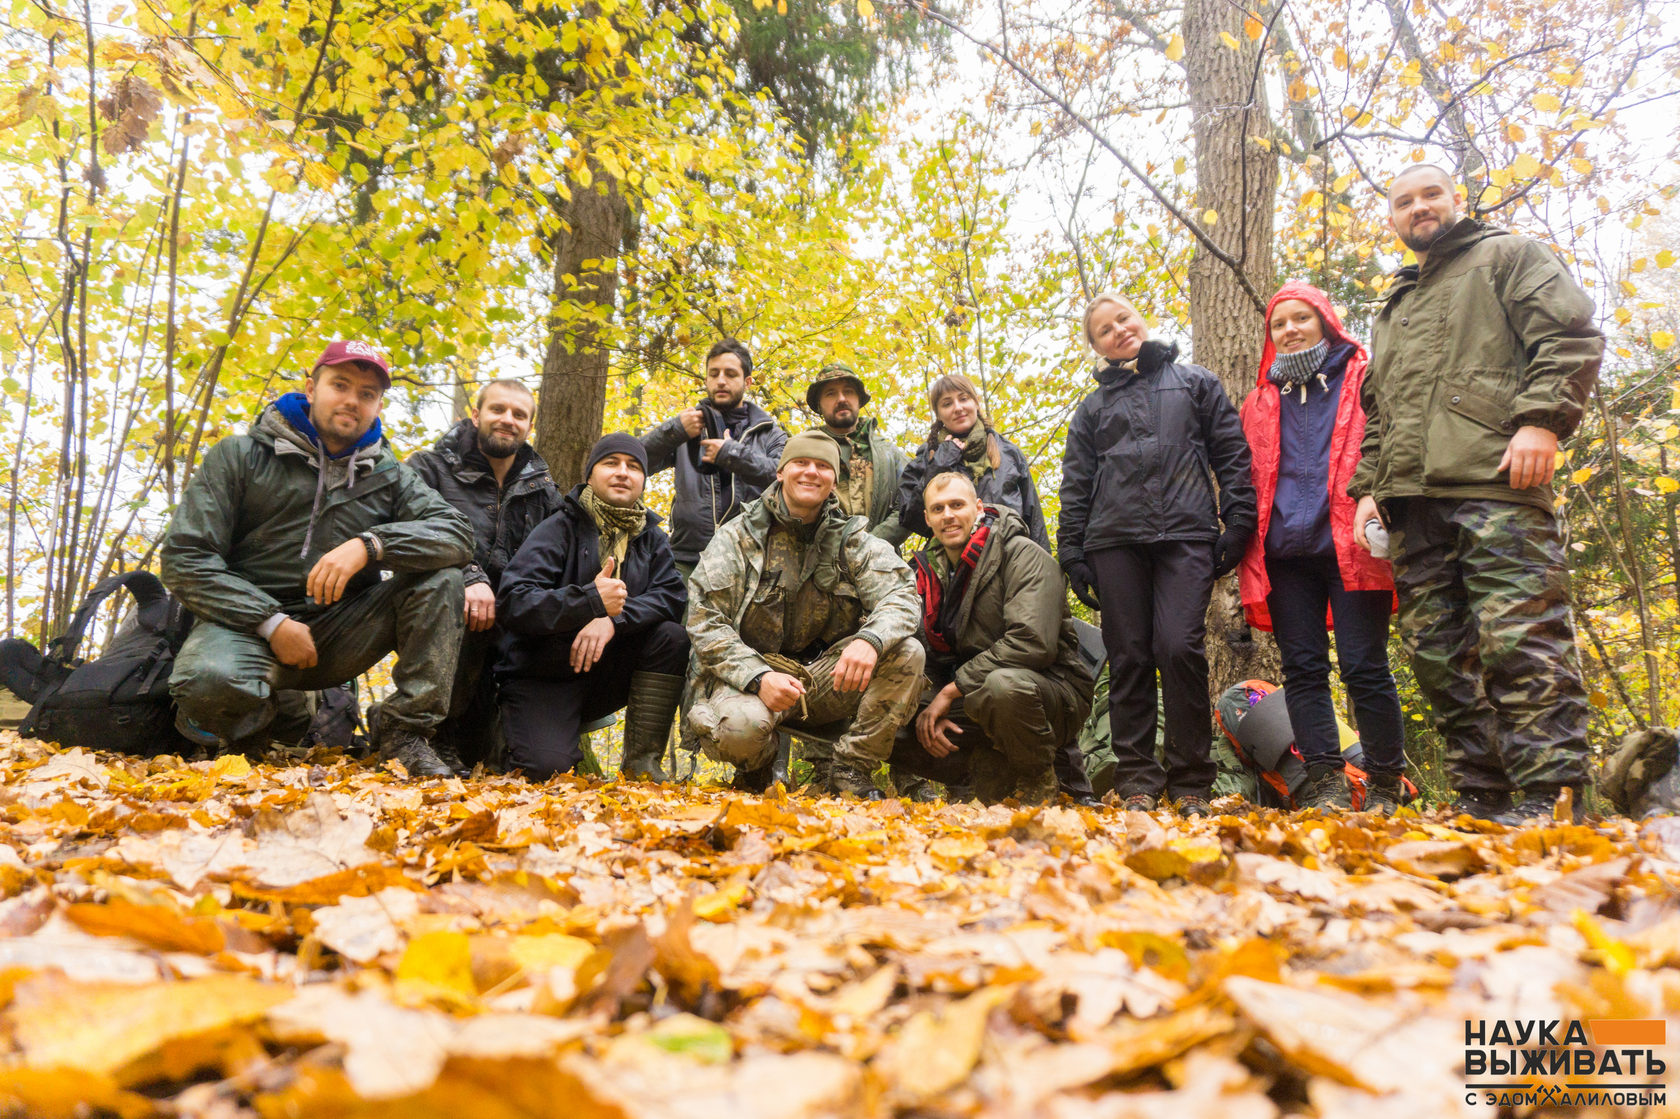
{"points": [[280, 547]]}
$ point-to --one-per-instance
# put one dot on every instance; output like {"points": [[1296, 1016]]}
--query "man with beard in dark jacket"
{"points": [[486, 468], [593, 606], [724, 449], [276, 548], [1140, 536], [1001, 650]]}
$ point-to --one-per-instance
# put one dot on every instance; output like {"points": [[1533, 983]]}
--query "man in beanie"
{"points": [[870, 463], [277, 548], [486, 467], [801, 617], [724, 450], [592, 605]]}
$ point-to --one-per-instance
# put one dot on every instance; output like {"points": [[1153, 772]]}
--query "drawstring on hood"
{"points": [[287, 422], [1294, 370]]}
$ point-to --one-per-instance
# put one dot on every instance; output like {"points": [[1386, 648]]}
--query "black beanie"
{"points": [[615, 443]]}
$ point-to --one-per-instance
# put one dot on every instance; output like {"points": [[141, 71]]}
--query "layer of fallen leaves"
{"points": [[325, 939]]}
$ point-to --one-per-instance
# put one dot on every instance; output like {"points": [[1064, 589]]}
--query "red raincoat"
{"points": [[1360, 571]]}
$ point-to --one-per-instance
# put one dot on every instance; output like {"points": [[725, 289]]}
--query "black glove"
{"points": [[1228, 552], [1081, 581]]}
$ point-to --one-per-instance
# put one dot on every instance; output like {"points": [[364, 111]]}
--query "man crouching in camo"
{"points": [[798, 615]]}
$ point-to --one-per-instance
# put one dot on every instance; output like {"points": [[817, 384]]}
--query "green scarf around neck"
{"points": [[618, 526]]}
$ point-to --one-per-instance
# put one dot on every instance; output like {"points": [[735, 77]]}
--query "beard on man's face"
{"points": [[497, 444], [841, 419]]}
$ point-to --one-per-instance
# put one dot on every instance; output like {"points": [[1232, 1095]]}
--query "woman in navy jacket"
{"points": [[1140, 538]]}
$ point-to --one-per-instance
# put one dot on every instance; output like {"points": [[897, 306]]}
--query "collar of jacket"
{"points": [[1006, 525], [1464, 233], [459, 448], [274, 428], [1151, 356], [760, 516], [571, 504]]}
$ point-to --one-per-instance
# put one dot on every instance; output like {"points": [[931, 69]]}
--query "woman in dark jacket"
{"points": [[1304, 424], [962, 437], [591, 609], [1139, 537]]}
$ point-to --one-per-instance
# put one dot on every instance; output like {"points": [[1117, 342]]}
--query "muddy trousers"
{"points": [[1016, 722], [225, 680], [735, 727]]}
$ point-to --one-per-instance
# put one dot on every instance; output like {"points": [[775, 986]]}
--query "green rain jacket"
{"points": [[263, 507]]}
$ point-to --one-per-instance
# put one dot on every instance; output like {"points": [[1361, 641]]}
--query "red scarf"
{"points": [[942, 601]]}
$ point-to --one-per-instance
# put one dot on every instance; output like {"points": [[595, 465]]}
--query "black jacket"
{"points": [[1140, 451], [1010, 485], [501, 516], [548, 591], [746, 465]]}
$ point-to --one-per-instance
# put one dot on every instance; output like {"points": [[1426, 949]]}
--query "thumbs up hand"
{"points": [[613, 592]]}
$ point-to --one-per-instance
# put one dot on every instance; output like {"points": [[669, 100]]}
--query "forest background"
{"points": [[195, 196]]}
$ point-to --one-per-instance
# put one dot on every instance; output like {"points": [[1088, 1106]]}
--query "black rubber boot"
{"points": [[1482, 804], [652, 705], [1539, 805]]}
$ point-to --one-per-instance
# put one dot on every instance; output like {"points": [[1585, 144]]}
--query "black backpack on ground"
{"points": [[119, 701]]}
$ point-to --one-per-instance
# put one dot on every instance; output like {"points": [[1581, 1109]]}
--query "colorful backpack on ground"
{"points": [[1253, 716]]}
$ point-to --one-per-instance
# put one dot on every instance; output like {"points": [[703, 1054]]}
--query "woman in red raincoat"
{"points": [[1304, 425]]}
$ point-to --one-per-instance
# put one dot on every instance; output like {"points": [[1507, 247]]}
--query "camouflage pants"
{"points": [[735, 727], [1484, 614]]}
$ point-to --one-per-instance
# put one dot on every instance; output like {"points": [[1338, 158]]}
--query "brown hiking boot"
{"points": [[1327, 790], [851, 779], [1384, 794], [1038, 787], [1140, 802]]}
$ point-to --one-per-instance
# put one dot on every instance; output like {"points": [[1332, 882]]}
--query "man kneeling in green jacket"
{"points": [[1001, 650], [276, 548]]}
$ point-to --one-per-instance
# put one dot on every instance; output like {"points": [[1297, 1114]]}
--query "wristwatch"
{"points": [[371, 543], [757, 681]]}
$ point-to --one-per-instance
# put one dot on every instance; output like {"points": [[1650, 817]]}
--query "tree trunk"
{"points": [[575, 363], [1237, 179]]}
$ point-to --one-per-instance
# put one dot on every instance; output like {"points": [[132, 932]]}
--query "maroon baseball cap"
{"points": [[363, 353]]}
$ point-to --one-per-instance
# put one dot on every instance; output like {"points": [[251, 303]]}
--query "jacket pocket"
{"points": [[1466, 437]]}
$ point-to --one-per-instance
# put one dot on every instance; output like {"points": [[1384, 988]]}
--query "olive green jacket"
{"points": [[1489, 335], [263, 507], [1014, 613]]}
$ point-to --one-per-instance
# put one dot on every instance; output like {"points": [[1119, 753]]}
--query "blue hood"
{"points": [[294, 408]]}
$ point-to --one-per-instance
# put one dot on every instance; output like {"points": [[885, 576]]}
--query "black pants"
{"points": [[1154, 619], [1302, 587], [542, 715], [472, 702]]}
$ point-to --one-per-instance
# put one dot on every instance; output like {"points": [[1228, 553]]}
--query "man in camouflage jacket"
{"points": [[798, 615], [1482, 358]]}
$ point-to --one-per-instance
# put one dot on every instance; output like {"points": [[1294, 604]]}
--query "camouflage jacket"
{"points": [[873, 591]]}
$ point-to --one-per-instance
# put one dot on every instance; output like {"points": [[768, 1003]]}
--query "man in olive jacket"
{"points": [[277, 548], [870, 463], [1001, 650], [1483, 357]]}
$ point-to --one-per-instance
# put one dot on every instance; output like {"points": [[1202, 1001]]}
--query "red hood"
{"points": [[1306, 293]]}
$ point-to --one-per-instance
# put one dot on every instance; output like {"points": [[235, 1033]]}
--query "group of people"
{"points": [[779, 604]]}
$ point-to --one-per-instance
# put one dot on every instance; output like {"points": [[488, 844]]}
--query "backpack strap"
{"points": [[147, 590]]}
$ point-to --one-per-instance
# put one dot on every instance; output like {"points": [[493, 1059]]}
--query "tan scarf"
{"points": [[618, 526]]}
